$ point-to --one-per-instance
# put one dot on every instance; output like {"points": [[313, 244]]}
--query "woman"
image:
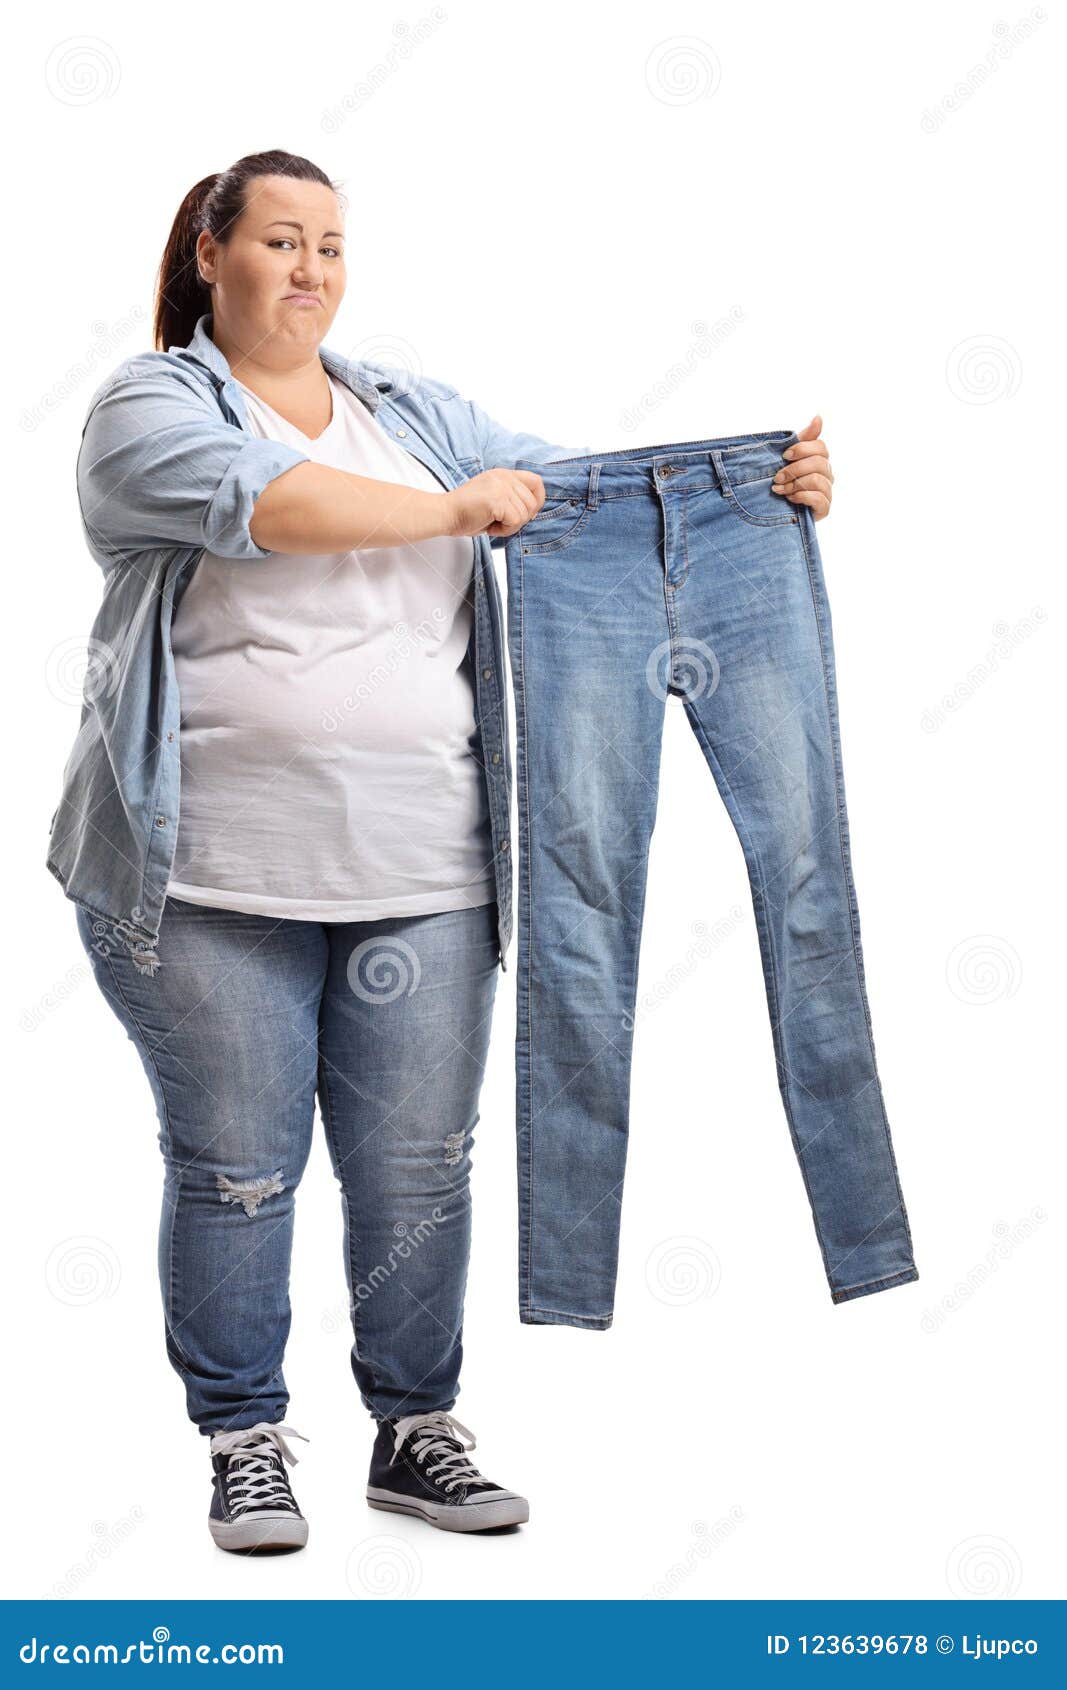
{"points": [[301, 632]]}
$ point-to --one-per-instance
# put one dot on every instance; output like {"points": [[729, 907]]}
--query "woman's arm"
{"points": [[158, 463], [312, 508]]}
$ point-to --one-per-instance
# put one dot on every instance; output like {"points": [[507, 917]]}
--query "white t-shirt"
{"points": [[327, 715]]}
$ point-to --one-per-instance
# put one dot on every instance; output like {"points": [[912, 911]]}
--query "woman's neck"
{"points": [[301, 394]]}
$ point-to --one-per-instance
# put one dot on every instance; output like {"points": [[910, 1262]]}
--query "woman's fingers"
{"points": [[806, 449], [805, 477], [803, 466], [817, 499], [805, 484]]}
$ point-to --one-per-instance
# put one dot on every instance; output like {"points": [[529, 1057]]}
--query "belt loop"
{"points": [[717, 466], [592, 497]]}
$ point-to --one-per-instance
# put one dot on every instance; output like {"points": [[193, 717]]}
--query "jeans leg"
{"points": [[226, 1031], [404, 1033], [769, 731], [585, 624]]}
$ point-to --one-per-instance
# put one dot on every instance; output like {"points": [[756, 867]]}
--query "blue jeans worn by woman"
{"points": [[245, 1022]]}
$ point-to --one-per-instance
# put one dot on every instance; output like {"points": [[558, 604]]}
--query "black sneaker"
{"points": [[253, 1507], [420, 1466]]}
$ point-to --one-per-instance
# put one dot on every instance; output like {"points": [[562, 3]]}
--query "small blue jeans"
{"points": [[245, 1021], [674, 571]]}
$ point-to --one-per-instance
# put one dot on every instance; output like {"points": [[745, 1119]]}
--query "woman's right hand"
{"points": [[498, 501]]}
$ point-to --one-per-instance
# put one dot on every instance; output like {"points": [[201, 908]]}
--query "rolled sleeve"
{"points": [[158, 464], [228, 514]]}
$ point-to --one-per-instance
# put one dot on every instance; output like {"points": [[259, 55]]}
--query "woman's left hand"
{"points": [[806, 477]]}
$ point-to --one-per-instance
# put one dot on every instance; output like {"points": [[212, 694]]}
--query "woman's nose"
{"points": [[309, 276]]}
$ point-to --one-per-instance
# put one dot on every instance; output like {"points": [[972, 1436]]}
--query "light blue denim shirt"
{"points": [[166, 471]]}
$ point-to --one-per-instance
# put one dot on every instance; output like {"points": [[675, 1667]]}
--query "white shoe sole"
{"points": [[470, 1517], [264, 1531]]}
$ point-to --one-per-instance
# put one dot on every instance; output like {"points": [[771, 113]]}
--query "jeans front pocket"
{"points": [[745, 480], [556, 526]]}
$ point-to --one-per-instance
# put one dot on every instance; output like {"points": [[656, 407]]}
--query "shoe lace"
{"points": [[255, 1477], [439, 1435]]}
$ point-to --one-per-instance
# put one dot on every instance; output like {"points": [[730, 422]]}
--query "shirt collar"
{"points": [[370, 387]]}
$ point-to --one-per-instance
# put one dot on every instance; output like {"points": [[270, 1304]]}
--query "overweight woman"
{"points": [[300, 639]]}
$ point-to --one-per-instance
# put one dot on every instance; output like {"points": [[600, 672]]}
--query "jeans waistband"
{"points": [[647, 469]]}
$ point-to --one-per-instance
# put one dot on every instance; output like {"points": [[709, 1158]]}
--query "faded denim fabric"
{"points": [[168, 469], [659, 571], [251, 1018]]}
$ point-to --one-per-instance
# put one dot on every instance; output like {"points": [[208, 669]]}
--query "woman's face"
{"points": [[280, 277]]}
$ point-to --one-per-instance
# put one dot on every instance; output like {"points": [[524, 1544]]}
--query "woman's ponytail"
{"points": [[181, 294], [214, 204]]}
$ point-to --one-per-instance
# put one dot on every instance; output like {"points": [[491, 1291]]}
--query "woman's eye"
{"points": [[284, 242]]}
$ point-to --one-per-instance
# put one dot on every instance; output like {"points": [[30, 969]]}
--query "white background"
{"points": [[617, 226]]}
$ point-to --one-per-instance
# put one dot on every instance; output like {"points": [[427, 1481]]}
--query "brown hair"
{"points": [[215, 205]]}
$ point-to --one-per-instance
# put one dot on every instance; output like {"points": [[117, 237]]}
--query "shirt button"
{"points": [[496, 756], [161, 821], [487, 674], [503, 844], [401, 433], [169, 738]]}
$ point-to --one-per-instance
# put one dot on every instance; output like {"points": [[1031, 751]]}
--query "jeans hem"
{"points": [[380, 1416], [556, 1317], [241, 1422], [849, 1291]]}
